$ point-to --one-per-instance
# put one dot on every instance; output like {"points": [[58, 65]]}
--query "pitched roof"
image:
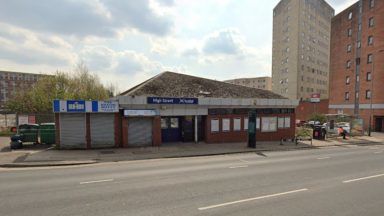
{"points": [[170, 84]]}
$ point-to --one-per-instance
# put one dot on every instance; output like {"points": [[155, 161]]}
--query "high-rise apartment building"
{"points": [[357, 63], [255, 82], [301, 46]]}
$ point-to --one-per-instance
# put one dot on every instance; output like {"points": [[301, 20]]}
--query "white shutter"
{"points": [[139, 131], [72, 130], [102, 130]]}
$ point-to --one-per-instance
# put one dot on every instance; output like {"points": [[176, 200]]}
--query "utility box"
{"points": [[47, 133]]}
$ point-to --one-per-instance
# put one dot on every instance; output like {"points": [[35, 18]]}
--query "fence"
{"points": [[9, 120]]}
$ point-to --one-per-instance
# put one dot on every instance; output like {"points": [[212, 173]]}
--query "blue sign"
{"points": [[165, 100], [75, 106]]}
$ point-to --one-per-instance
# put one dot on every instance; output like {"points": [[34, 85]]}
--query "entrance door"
{"points": [[379, 124], [140, 131], [170, 129], [188, 129]]}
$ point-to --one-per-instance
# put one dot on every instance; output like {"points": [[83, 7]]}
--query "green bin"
{"points": [[47, 133], [29, 132]]}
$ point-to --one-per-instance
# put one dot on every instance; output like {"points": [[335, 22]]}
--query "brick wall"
{"points": [[306, 109], [241, 136], [156, 131]]}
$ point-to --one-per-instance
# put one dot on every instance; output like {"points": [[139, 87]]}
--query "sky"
{"points": [[126, 42]]}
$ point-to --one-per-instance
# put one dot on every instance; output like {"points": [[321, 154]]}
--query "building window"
{"points": [[349, 48], [371, 3], [359, 27], [370, 40], [245, 126], [215, 125], [258, 123], [164, 124], [357, 95], [237, 124], [371, 22], [350, 15], [369, 58], [369, 76], [349, 32], [368, 94], [358, 44], [226, 124], [174, 123], [284, 122], [268, 124], [347, 80], [349, 63], [346, 96]]}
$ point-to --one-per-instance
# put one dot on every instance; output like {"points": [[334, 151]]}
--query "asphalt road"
{"points": [[332, 181]]}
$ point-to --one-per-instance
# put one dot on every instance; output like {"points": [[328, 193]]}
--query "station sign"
{"points": [[167, 100], [315, 98], [82, 106]]}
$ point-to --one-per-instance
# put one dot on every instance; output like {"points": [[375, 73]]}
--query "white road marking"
{"points": [[363, 178], [322, 158], [378, 152], [373, 148], [240, 166], [251, 199], [96, 181]]}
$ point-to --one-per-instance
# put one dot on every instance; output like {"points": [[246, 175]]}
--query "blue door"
{"points": [[170, 129]]}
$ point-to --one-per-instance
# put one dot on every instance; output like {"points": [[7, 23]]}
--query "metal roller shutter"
{"points": [[139, 131], [72, 130], [102, 130]]}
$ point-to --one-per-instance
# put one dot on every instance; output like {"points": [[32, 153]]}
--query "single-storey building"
{"points": [[176, 108]]}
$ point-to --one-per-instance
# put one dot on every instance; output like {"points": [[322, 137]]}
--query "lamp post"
{"points": [[370, 104]]}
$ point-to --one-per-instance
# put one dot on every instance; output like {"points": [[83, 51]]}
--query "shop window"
{"points": [[280, 122], [287, 122], [245, 124], [164, 124], [237, 124], [174, 123], [215, 125], [268, 124], [226, 124]]}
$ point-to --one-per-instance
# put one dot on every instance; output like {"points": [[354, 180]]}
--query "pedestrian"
{"points": [[342, 132]]}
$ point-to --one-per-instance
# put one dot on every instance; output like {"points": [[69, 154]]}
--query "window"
{"points": [[358, 44], [371, 3], [174, 123], [368, 94], [245, 124], [347, 80], [164, 124], [257, 123], [369, 76], [287, 122], [280, 122], [370, 40], [349, 63], [349, 48], [215, 125], [237, 124], [346, 96], [369, 58], [268, 124], [350, 15], [359, 27], [284, 122], [349, 32], [226, 124], [371, 22], [357, 95]]}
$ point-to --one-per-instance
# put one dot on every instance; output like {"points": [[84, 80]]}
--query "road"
{"points": [[330, 181]]}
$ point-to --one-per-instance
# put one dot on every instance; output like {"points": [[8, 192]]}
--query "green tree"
{"points": [[318, 117], [82, 85]]}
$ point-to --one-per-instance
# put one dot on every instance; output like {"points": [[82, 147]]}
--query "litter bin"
{"points": [[47, 133], [29, 132], [318, 132], [16, 142]]}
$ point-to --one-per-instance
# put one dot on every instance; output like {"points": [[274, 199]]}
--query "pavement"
{"points": [[42, 155], [337, 181]]}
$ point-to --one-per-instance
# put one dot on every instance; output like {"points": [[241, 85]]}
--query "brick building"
{"points": [[357, 63], [256, 82], [12, 82], [176, 108]]}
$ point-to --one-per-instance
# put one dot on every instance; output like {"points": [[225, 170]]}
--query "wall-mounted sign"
{"points": [[165, 100], [133, 112], [81, 106], [315, 98]]}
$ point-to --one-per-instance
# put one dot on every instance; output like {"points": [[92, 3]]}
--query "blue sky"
{"points": [[127, 41]]}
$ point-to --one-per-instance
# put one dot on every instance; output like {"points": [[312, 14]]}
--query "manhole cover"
{"points": [[107, 152]]}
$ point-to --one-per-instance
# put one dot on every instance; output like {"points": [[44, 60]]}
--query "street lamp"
{"points": [[370, 105]]}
